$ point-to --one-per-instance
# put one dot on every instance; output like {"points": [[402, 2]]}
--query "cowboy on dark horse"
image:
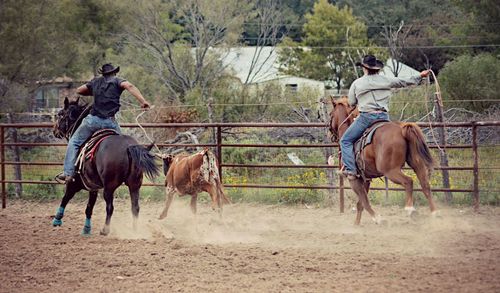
{"points": [[371, 93], [106, 90]]}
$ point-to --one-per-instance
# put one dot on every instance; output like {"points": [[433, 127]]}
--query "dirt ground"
{"points": [[254, 249]]}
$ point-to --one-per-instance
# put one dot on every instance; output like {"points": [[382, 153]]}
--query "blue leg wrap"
{"points": [[57, 219], [87, 227]]}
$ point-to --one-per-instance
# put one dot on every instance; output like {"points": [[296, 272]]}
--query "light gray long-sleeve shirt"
{"points": [[372, 92]]}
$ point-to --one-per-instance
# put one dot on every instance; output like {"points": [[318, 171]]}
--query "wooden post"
{"points": [[443, 156], [219, 150], [2, 162], [475, 155], [341, 185], [18, 175], [386, 181], [327, 151]]}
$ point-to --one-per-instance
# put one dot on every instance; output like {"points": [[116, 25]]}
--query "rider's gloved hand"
{"points": [[425, 73], [145, 106]]}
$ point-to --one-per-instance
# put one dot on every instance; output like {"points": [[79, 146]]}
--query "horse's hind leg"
{"points": [[134, 200], [108, 197], [88, 212], [71, 189], [398, 177], [423, 178]]}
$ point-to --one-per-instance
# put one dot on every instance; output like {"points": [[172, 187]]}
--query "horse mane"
{"points": [[83, 109], [342, 101]]}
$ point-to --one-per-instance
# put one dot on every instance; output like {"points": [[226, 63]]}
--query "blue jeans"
{"points": [[90, 124], [353, 133]]}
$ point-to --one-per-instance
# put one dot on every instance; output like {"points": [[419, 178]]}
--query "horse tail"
{"points": [[141, 157], [211, 165], [418, 152]]}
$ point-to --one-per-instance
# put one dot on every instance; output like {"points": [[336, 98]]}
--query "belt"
{"points": [[109, 117], [375, 111]]}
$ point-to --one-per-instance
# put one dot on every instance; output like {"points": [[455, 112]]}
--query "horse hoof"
{"points": [[104, 231], [379, 221], [86, 231], [436, 214], [57, 222], [410, 210]]}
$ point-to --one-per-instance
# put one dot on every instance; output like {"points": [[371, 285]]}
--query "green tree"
{"points": [[480, 25], [438, 31], [97, 26], [35, 45], [41, 40], [330, 47], [177, 39], [473, 78]]}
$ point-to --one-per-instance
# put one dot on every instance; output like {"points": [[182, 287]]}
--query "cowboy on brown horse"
{"points": [[371, 93], [392, 144]]}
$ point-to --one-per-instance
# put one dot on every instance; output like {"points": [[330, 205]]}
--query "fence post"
{"points": [[443, 156], [341, 185], [219, 150], [2, 163], [476, 166]]}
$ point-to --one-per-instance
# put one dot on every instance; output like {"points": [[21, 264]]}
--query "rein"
{"points": [[335, 132], [347, 118], [78, 121]]}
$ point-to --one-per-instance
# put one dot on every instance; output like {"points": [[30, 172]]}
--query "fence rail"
{"points": [[219, 145]]}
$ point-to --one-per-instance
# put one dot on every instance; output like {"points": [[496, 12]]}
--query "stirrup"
{"points": [[349, 174], [63, 179]]}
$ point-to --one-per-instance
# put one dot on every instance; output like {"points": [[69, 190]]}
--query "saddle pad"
{"points": [[371, 131], [365, 140], [93, 142]]}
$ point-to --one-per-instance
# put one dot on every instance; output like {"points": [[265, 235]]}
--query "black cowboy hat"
{"points": [[108, 68], [370, 62]]}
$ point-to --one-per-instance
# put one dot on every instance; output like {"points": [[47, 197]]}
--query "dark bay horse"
{"points": [[392, 145], [118, 159]]}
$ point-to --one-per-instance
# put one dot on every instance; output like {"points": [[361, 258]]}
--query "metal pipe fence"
{"points": [[219, 145]]}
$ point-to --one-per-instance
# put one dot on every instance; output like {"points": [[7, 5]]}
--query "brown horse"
{"points": [[392, 145]]}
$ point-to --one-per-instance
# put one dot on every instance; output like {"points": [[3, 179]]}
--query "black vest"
{"points": [[106, 92]]}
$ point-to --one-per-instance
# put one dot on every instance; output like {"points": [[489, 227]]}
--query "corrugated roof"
{"points": [[239, 62]]}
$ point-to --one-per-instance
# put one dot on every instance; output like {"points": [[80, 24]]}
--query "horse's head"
{"points": [[67, 117], [341, 117]]}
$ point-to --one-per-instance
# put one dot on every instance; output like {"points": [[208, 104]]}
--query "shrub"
{"points": [[472, 78]]}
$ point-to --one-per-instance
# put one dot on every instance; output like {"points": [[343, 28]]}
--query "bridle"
{"points": [[70, 125]]}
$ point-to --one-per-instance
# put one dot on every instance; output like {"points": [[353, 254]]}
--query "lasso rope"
{"points": [[145, 133], [440, 101]]}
